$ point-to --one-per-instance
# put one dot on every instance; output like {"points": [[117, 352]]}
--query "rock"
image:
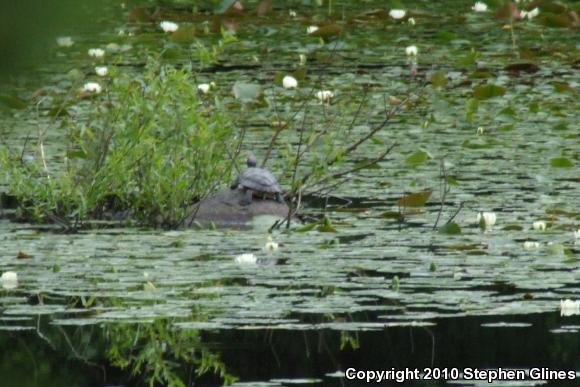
{"points": [[224, 209]]}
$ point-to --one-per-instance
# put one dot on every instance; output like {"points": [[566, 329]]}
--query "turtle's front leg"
{"points": [[247, 199]]}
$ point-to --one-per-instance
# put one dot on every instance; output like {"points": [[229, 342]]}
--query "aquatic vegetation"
{"points": [[92, 87], [539, 225], [168, 26], [397, 13], [325, 96], [9, 280], [311, 29], [479, 6], [64, 41], [486, 220], [102, 71], [289, 82], [246, 259], [96, 52], [569, 307], [132, 156], [271, 245], [204, 87], [411, 50]]}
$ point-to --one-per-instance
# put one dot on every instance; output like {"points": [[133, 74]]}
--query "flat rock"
{"points": [[224, 209]]}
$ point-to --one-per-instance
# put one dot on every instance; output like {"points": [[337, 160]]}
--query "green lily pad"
{"points": [[488, 91]]}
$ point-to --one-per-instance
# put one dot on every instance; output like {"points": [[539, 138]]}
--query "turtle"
{"points": [[256, 180]]}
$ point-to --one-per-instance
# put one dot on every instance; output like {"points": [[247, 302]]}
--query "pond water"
{"points": [[125, 306]]}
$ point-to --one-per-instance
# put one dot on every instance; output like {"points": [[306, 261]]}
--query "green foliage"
{"points": [[151, 148], [561, 162], [488, 91], [450, 229]]}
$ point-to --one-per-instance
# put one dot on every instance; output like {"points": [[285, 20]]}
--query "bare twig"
{"points": [[456, 212], [444, 191]]}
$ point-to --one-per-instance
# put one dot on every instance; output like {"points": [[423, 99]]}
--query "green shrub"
{"points": [[149, 147]]}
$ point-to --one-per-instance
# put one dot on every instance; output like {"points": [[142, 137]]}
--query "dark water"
{"points": [[295, 355]]}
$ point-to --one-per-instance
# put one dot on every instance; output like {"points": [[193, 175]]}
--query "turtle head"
{"points": [[251, 160]]}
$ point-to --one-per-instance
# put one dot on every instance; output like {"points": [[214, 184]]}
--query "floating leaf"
{"points": [[488, 91], [171, 53], [465, 247], [326, 226], [563, 87], [417, 199], [559, 212], [246, 91], [307, 227], [471, 107], [452, 180], [395, 283], [377, 141], [439, 78], [300, 74], [522, 67], [450, 229], [512, 227], [481, 75], [417, 158], [24, 255], [185, 34], [391, 215], [327, 31], [76, 154], [561, 162], [366, 164]]}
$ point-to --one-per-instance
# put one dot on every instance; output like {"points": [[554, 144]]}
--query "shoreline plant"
{"points": [[148, 148]]}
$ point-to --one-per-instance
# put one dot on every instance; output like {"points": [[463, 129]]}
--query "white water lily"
{"points": [[488, 219], [411, 50], [168, 26], [271, 245], [411, 21], [92, 87], [539, 225], [204, 87], [479, 7], [530, 14], [246, 259], [569, 307], [324, 96], [480, 130], [577, 234], [101, 71], [397, 13], [289, 82], [64, 41], [292, 13], [529, 245], [96, 52], [311, 29], [9, 280]]}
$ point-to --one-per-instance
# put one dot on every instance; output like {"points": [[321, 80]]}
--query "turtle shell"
{"points": [[260, 180]]}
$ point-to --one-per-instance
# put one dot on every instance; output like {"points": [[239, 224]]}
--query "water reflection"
{"points": [[158, 353]]}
